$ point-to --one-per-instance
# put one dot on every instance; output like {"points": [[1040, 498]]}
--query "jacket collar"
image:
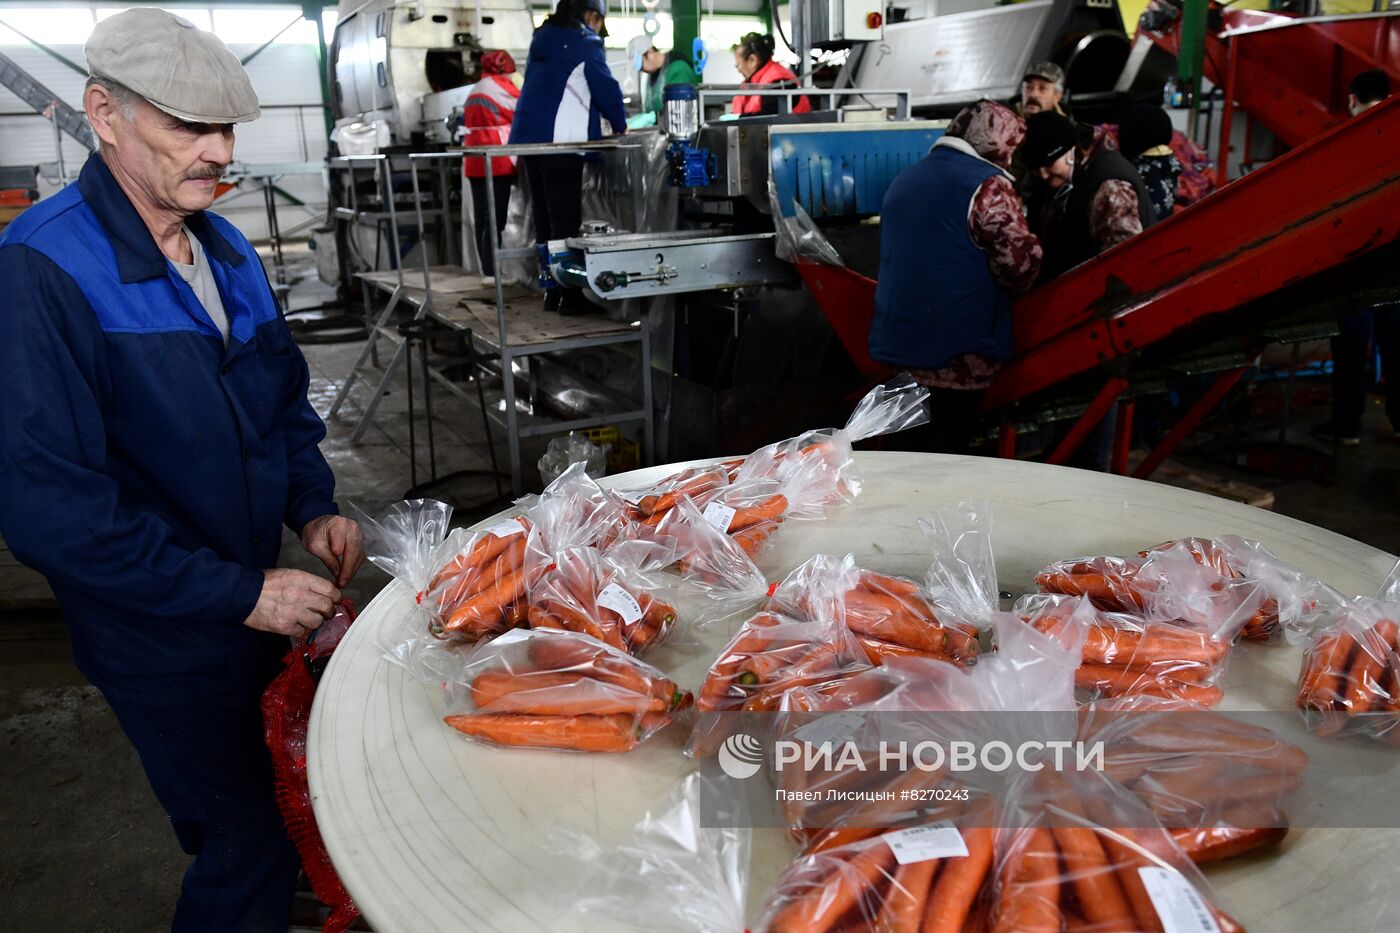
{"points": [[138, 257], [959, 144]]}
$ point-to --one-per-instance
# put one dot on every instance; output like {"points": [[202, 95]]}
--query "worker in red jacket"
{"points": [[489, 113], [753, 56]]}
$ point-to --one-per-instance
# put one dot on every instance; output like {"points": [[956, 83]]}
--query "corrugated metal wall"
{"points": [[292, 128]]}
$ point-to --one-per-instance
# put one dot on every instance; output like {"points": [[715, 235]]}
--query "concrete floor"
{"points": [[83, 844]]}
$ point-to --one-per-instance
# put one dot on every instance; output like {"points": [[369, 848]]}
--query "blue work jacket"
{"points": [[568, 89], [145, 468]]}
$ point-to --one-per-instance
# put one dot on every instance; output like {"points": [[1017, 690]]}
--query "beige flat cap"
{"points": [[172, 63]]}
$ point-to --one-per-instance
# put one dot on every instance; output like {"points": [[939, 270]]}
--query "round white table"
{"points": [[430, 831]]}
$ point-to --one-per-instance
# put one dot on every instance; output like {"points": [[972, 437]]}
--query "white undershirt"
{"points": [[200, 278]]}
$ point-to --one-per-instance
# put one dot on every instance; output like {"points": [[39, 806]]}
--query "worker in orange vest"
{"points": [[753, 56], [489, 113]]}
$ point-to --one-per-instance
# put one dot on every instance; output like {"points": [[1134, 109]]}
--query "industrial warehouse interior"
{"points": [[662, 464]]}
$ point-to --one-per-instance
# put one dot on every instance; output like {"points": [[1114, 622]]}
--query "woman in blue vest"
{"points": [[568, 92], [954, 250]]}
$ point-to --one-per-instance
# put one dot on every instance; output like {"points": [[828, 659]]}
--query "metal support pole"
{"points": [[1193, 417], [685, 26], [1006, 441], [1122, 438], [648, 401], [58, 152], [1089, 420], [507, 369], [1227, 115], [312, 11]]}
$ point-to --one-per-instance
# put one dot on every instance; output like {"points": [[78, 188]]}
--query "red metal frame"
{"points": [[847, 298], [1316, 206], [1189, 421], [1089, 420]]}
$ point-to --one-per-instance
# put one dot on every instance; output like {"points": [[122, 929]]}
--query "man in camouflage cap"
{"points": [[1042, 89], [156, 436]]}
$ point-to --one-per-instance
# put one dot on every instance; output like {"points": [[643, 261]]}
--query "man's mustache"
{"points": [[213, 173]]}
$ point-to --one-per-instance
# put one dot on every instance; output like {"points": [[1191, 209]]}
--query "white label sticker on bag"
{"points": [[719, 516], [634, 496], [940, 840], [834, 728], [506, 528], [620, 601], [1179, 905]]}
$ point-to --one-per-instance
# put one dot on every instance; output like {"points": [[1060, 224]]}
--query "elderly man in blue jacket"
{"points": [[154, 438]]}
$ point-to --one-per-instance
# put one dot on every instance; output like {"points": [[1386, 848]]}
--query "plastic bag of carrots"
{"points": [[1220, 785], [770, 655], [928, 877], [712, 565], [821, 461], [1128, 655], [616, 596], [645, 507], [1076, 853], [890, 616], [563, 690], [466, 585], [1287, 595], [672, 872], [1350, 679]]}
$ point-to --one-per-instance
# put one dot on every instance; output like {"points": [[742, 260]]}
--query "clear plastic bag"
{"points": [[647, 506], [573, 448], [1350, 679], [712, 565], [1287, 595], [671, 872], [1083, 855], [817, 468], [465, 585], [1196, 769], [617, 596], [961, 583], [572, 512], [563, 690], [923, 877], [769, 656], [890, 616], [1128, 655]]}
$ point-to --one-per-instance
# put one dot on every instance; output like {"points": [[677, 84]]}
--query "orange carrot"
{"points": [[770, 509], [582, 733], [1114, 682], [878, 650], [1325, 672], [1029, 896], [849, 884], [1126, 861], [1097, 889], [893, 586], [956, 891], [547, 693], [487, 608], [904, 906], [1215, 844]]}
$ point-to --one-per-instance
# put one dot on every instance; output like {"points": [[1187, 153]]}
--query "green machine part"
{"points": [[685, 26], [1192, 55]]}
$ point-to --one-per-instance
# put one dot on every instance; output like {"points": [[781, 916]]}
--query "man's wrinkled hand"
{"points": [[336, 541], [292, 602]]}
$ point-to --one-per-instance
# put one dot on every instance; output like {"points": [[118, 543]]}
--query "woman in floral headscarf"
{"points": [[954, 250]]}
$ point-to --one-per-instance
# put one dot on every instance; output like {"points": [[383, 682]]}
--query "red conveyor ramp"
{"points": [[1321, 204], [1291, 74]]}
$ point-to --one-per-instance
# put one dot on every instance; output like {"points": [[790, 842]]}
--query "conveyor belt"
{"points": [[1324, 203]]}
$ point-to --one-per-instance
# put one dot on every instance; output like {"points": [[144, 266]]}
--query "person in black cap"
{"points": [[1144, 137], [1087, 197], [1368, 89]]}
